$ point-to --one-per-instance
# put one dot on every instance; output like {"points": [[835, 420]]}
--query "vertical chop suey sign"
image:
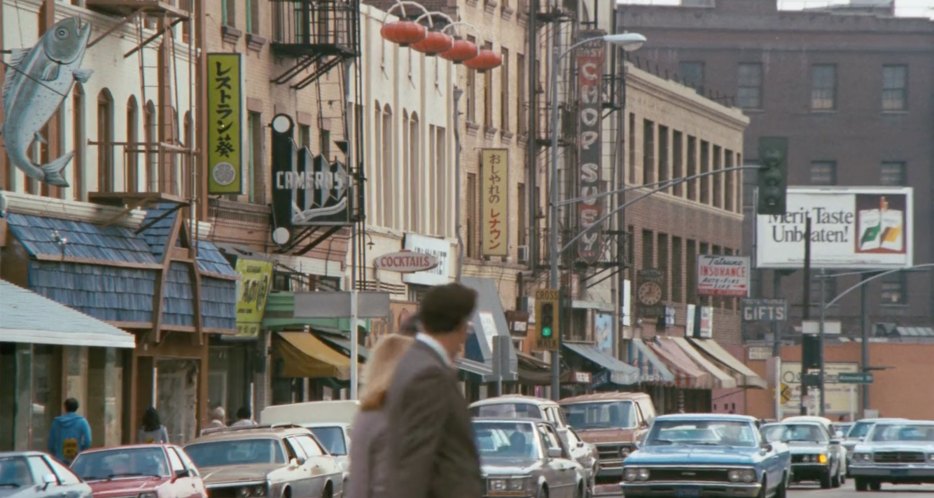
{"points": [[722, 275], [590, 58], [851, 227]]}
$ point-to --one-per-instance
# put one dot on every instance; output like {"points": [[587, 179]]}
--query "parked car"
{"points": [[899, 452], [31, 474], [525, 458], [266, 461], [517, 406], [694, 455], [858, 433], [156, 470], [613, 422], [815, 455]]}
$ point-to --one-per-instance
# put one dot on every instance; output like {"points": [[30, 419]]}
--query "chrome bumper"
{"points": [[690, 489]]}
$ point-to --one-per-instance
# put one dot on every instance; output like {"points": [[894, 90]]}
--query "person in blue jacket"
{"points": [[70, 434]]}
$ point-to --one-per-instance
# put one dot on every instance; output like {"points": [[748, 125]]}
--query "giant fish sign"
{"points": [[37, 81]]}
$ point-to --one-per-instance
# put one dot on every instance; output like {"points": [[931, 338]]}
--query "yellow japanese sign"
{"points": [[224, 122], [255, 281], [494, 197]]}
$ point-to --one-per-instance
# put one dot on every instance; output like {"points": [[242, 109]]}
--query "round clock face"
{"points": [[650, 293]]}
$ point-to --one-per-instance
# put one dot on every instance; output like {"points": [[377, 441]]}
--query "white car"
{"points": [[900, 452]]}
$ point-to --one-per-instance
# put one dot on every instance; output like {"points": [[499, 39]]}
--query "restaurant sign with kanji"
{"points": [[224, 122], [494, 202]]}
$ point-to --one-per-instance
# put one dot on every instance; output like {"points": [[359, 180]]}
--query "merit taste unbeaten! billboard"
{"points": [[851, 227], [225, 119]]}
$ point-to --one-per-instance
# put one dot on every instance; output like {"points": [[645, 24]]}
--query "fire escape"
{"points": [[316, 38]]}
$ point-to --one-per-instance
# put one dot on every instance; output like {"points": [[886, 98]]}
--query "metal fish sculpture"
{"points": [[37, 81]]}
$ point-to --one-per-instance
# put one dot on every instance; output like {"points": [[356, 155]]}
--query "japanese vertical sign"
{"points": [[224, 120], [494, 194], [254, 285], [589, 61]]}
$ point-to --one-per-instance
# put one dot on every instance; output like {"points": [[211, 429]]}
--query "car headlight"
{"points": [[624, 451], [862, 457], [252, 491], [741, 475], [636, 474], [822, 458], [508, 484]]}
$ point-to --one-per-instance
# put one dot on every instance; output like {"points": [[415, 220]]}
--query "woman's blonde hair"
{"points": [[380, 368]]}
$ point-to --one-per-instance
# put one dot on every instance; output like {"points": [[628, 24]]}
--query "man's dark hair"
{"points": [[243, 412], [446, 307], [71, 405]]}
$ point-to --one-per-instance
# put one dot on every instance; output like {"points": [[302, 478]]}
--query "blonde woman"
{"points": [[368, 453]]}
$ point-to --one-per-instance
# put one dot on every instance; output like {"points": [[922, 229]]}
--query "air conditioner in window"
{"points": [[522, 254]]}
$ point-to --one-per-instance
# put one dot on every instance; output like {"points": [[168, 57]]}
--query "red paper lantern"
{"points": [[460, 51], [404, 33], [485, 59], [434, 43]]}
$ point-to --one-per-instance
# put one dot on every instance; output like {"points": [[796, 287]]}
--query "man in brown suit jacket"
{"points": [[431, 442]]}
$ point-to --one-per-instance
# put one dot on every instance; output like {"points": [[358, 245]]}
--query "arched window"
{"points": [[414, 174], [105, 142], [152, 152], [388, 179], [78, 185], [132, 144], [377, 211]]}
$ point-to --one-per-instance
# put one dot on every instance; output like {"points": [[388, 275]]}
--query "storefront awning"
{"points": [[474, 367], [744, 376], [28, 317], [651, 369], [722, 380], [342, 343], [533, 371], [687, 373], [304, 355], [620, 373]]}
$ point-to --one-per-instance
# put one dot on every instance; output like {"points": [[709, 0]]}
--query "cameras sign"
{"points": [[851, 227]]}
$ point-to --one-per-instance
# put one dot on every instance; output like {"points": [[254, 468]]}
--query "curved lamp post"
{"points": [[629, 42]]}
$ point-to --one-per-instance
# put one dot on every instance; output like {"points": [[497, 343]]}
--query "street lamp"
{"points": [[629, 42]]}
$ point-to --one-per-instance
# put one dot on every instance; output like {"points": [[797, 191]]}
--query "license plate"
{"points": [[899, 472], [688, 493]]}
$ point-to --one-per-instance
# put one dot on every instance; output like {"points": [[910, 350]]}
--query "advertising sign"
{"points": [[836, 394], [494, 202], [722, 275], [705, 323], [603, 332], [764, 310], [440, 249], [307, 189], [253, 288], [405, 262], [589, 59], [851, 227], [225, 119]]}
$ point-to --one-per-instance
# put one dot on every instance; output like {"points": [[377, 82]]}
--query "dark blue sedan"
{"points": [[706, 455]]}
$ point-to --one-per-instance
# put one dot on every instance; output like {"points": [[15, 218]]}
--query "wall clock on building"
{"points": [[649, 293]]}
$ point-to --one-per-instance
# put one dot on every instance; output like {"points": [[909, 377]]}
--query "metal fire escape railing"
{"points": [[318, 34]]}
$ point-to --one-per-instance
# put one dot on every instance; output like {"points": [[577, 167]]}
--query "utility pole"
{"points": [[806, 315]]}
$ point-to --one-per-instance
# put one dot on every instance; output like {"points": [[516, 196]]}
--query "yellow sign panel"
{"points": [[547, 327], [494, 202], [224, 122], [255, 281]]}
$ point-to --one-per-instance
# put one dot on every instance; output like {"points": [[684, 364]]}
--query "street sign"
{"points": [[786, 393], [855, 377], [765, 310]]}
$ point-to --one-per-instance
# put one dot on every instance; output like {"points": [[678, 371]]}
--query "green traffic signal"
{"points": [[773, 175], [547, 319], [546, 332]]}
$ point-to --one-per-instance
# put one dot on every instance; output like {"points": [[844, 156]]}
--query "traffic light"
{"points": [[773, 175], [546, 319], [547, 329]]}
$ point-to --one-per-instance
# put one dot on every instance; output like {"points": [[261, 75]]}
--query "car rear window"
{"points": [[509, 410], [236, 452]]}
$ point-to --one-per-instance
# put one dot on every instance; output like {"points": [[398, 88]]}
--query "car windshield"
{"points": [[236, 452], [506, 439], [773, 433], [804, 433], [14, 473], [508, 410], [602, 415], [121, 462], [703, 432], [859, 429], [902, 432], [332, 438]]}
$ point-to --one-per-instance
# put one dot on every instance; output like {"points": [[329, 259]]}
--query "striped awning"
{"points": [[744, 376], [651, 368], [687, 373], [722, 380]]}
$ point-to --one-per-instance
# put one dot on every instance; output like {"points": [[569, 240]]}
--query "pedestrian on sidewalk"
{"points": [[244, 418], [218, 417], [70, 434], [152, 430], [369, 460], [431, 445]]}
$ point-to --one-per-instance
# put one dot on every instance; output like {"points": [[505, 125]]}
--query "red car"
{"points": [[144, 471]]}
